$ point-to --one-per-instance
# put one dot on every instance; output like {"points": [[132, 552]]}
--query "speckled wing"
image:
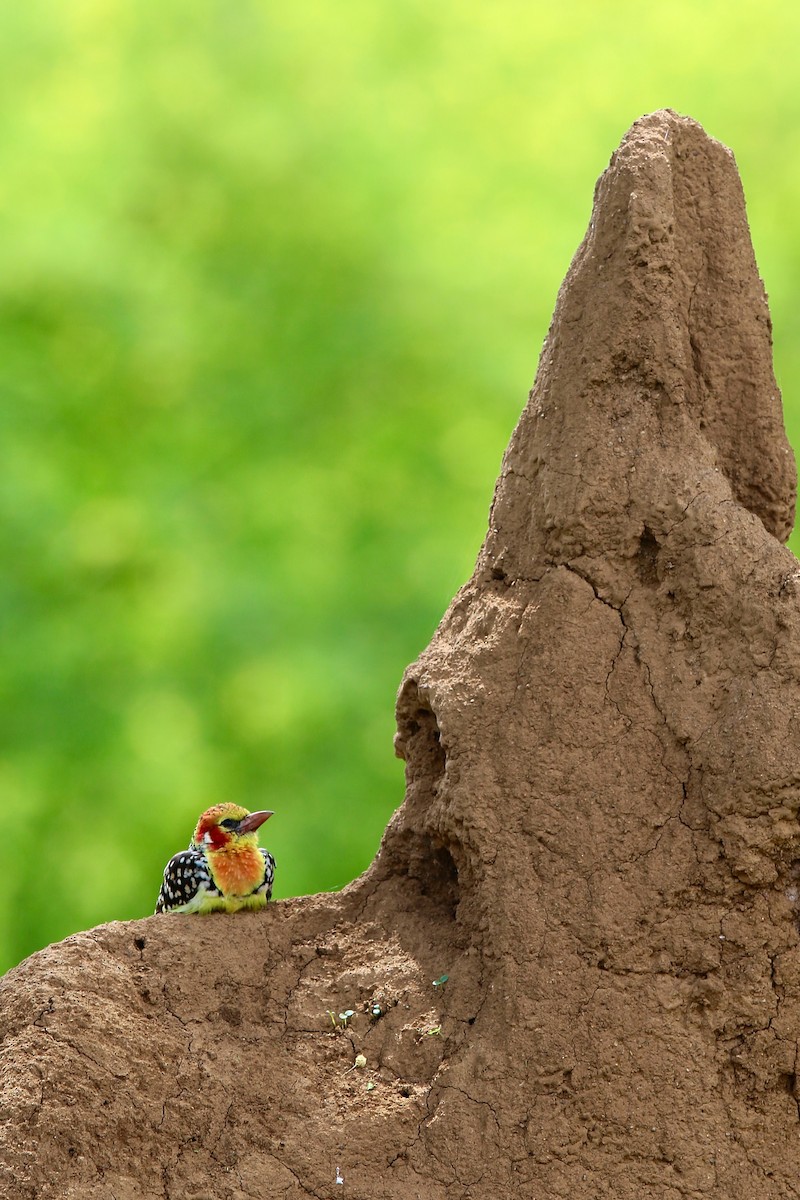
{"points": [[187, 882], [265, 889]]}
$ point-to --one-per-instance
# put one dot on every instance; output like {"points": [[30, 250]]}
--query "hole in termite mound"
{"points": [[419, 741], [789, 881], [419, 848], [433, 869], [647, 558]]}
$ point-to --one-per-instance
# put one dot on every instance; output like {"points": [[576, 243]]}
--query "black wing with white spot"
{"points": [[186, 878], [265, 889]]}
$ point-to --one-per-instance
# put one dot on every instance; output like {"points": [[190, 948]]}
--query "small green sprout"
{"points": [[370, 1086], [441, 981], [344, 1017]]}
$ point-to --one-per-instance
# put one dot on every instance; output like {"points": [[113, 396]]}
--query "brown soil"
{"points": [[599, 843]]}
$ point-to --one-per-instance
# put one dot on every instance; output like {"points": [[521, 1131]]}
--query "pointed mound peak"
{"points": [[657, 367]]}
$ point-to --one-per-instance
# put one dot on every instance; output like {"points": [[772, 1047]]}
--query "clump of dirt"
{"points": [[599, 846]]}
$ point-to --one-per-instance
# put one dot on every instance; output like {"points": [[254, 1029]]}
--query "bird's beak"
{"points": [[252, 821]]}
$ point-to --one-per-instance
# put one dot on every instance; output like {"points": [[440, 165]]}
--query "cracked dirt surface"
{"points": [[599, 844]]}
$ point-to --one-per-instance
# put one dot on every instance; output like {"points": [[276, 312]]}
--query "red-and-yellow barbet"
{"points": [[224, 869]]}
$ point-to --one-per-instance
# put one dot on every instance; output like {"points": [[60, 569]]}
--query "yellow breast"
{"points": [[236, 870]]}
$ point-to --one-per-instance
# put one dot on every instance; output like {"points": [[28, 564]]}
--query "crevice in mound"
{"points": [[419, 740], [425, 850], [647, 558], [431, 865]]}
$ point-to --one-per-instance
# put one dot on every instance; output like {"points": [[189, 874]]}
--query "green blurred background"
{"points": [[273, 282]]}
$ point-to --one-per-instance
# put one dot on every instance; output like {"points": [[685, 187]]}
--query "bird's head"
{"points": [[227, 825]]}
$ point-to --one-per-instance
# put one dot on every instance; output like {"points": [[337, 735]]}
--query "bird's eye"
{"points": [[230, 823]]}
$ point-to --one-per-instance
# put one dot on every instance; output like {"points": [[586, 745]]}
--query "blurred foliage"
{"points": [[273, 281]]}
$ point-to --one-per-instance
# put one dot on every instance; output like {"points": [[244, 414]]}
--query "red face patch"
{"points": [[210, 834]]}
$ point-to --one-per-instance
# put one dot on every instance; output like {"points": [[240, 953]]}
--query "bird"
{"points": [[224, 869]]}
